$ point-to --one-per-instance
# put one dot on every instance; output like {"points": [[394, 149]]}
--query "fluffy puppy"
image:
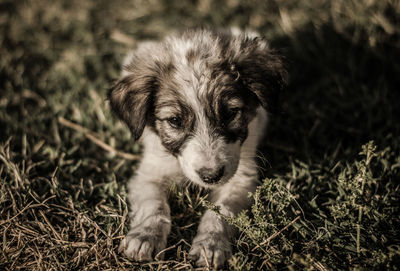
{"points": [[198, 101]]}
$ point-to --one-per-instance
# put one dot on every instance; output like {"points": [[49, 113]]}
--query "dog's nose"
{"points": [[209, 175]]}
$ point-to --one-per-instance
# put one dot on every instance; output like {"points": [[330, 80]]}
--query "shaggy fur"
{"points": [[199, 102]]}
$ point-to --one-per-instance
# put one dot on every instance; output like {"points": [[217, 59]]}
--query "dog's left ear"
{"points": [[261, 71], [132, 96], [131, 99]]}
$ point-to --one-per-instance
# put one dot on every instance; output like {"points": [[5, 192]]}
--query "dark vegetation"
{"points": [[331, 161]]}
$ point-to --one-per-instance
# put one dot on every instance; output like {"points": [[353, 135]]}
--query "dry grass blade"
{"points": [[91, 136], [277, 233], [205, 257]]}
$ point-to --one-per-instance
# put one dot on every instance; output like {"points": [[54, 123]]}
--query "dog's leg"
{"points": [[212, 243], [150, 214], [150, 220]]}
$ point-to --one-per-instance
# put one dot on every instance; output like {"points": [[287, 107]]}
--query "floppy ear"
{"points": [[131, 99], [262, 72]]}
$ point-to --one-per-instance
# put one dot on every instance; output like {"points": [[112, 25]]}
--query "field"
{"points": [[330, 163]]}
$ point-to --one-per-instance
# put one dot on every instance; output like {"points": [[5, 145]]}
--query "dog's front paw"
{"points": [[211, 249], [143, 244]]}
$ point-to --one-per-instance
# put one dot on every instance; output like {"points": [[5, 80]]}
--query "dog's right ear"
{"points": [[262, 71], [131, 98]]}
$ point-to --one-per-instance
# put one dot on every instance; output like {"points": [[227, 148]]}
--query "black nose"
{"points": [[209, 175]]}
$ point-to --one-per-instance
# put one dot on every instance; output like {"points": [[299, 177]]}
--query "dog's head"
{"points": [[198, 92]]}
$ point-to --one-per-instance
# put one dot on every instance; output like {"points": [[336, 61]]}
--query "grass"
{"points": [[331, 164]]}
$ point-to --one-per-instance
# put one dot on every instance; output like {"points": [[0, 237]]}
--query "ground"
{"points": [[330, 194]]}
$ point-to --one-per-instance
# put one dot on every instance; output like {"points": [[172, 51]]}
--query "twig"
{"points": [[320, 266], [205, 257], [277, 233], [157, 257], [91, 136], [56, 234], [122, 38]]}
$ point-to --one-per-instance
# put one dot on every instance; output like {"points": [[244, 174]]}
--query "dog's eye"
{"points": [[234, 113], [175, 122]]}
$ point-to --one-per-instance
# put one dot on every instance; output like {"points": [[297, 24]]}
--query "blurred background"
{"points": [[65, 160]]}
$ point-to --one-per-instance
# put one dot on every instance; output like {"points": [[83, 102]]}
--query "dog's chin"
{"points": [[201, 183]]}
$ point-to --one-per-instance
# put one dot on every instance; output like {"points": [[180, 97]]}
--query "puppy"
{"points": [[198, 101]]}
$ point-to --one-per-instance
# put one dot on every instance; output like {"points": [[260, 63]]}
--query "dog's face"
{"points": [[198, 92]]}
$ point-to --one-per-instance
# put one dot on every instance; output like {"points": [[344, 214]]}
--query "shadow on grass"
{"points": [[341, 95]]}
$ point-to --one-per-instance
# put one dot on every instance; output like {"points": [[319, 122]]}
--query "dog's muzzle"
{"points": [[211, 176]]}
